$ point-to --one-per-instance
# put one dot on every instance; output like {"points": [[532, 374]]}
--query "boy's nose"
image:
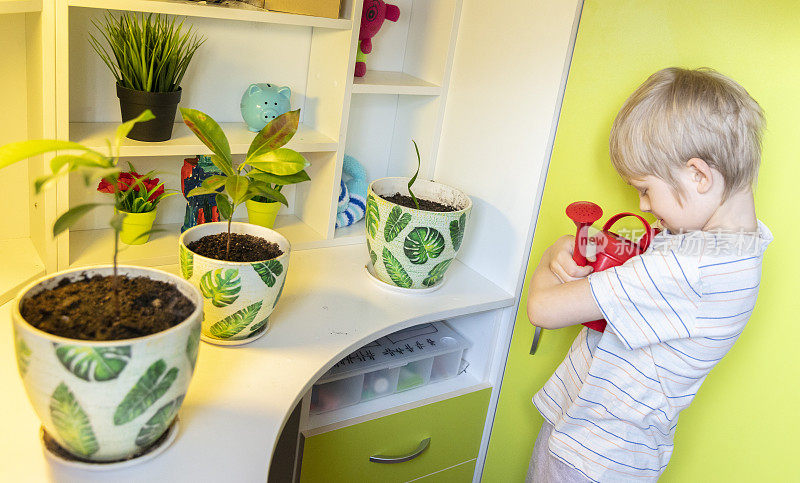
{"points": [[644, 206]]}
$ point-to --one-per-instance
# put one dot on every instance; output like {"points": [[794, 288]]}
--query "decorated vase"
{"points": [[412, 248], [107, 400], [238, 297]]}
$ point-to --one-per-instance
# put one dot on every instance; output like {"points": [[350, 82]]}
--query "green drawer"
{"points": [[460, 473], [454, 426]]}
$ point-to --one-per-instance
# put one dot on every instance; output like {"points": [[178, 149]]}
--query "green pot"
{"points": [[87, 394], [413, 248], [135, 225], [262, 214], [238, 297]]}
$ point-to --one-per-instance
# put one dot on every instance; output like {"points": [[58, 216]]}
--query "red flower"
{"points": [[127, 180]]}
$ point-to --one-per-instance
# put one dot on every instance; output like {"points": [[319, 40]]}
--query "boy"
{"points": [[689, 141]]}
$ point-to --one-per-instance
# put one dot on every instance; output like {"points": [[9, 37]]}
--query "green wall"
{"points": [[743, 424]]}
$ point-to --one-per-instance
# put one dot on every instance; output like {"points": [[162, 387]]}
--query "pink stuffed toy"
{"points": [[372, 17]]}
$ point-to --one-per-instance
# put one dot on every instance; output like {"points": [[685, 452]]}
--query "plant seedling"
{"points": [[266, 169], [91, 164], [414, 178]]}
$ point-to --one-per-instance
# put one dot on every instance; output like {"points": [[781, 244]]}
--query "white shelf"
{"points": [[93, 247], [20, 6], [354, 233], [185, 143], [382, 406], [227, 11], [385, 82], [20, 265]]}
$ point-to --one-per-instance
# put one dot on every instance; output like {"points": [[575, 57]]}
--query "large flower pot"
{"points": [[163, 105], [107, 400], [238, 297], [412, 248], [262, 214]]}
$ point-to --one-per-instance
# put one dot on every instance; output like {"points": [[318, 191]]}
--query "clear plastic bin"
{"points": [[403, 360]]}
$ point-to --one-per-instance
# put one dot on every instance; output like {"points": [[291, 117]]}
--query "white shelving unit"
{"points": [[228, 11], [69, 94]]}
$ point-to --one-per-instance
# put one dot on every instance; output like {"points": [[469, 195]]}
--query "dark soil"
{"points": [[244, 248], [85, 309], [55, 448], [424, 205]]}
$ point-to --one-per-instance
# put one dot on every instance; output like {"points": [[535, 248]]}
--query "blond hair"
{"points": [[678, 114]]}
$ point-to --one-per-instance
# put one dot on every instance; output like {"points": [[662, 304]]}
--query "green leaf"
{"points": [[152, 385], [193, 345], [259, 188], [298, 177], [395, 270], [72, 216], [436, 273], [94, 364], [236, 187], [236, 322], [373, 256], [125, 128], [214, 182], [395, 223], [23, 355], [268, 271], [224, 206], [221, 286], [155, 426], [280, 292], [72, 161], [423, 243], [208, 131], [275, 134], [223, 165], [72, 423], [373, 216], [259, 326], [187, 262], [13, 152], [457, 230], [202, 190], [281, 162]]}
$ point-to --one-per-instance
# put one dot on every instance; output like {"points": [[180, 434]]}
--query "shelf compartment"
{"points": [[96, 247], [185, 143], [21, 264], [400, 401], [387, 82], [238, 11], [20, 6]]}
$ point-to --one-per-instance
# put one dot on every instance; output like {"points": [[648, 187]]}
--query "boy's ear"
{"points": [[701, 175]]}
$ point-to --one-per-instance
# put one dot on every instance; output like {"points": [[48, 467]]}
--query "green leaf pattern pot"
{"points": [[104, 400], [238, 297], [413, 248]]}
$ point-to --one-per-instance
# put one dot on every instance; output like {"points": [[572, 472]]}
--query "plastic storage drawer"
{"points": [[400, 361]]}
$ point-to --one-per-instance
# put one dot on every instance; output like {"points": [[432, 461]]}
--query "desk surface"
{"points": [[241, 397]]}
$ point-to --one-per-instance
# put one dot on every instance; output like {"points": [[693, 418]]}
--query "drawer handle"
{"points": [[423, 445]]}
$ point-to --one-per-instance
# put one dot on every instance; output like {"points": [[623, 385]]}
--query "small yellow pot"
{"points": [[134, 225], [262, 214]]}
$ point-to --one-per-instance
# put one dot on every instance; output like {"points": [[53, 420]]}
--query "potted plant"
{"points": [[105, 353], [148, 56], [137, 196], [413, 239], [240, 271]]}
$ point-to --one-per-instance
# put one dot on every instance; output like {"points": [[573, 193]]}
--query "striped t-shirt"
{"points": [[673, 313]]}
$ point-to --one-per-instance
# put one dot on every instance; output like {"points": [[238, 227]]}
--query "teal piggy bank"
{"points": [[261, 103]]}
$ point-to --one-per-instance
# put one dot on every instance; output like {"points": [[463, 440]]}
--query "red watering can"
{"points": [[612, 249]]}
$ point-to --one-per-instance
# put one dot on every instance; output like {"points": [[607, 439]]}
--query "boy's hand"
{"points": [[559, 259]]}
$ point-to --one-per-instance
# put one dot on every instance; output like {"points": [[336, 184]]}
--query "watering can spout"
{"points": [[583, 214]]}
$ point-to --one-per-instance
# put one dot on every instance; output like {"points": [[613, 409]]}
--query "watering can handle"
{"points": [[644, 242]]}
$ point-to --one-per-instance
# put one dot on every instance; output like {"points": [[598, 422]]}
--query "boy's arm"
{"points": [[553, 304]]}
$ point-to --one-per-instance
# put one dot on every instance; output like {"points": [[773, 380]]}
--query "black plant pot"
{"points": [[162, 104]]}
